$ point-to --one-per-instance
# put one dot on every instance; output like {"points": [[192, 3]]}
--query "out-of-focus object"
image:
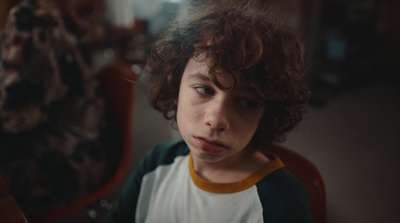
{"points": [[51, 115], [118, 83], [121, 14]]}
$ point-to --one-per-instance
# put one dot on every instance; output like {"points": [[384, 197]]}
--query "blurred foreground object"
{"points": [[54, 133], [118, 83]]}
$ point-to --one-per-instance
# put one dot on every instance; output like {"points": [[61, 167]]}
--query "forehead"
{"points": [[198, 69]]}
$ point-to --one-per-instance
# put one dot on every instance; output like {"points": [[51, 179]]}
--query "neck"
{"points": [[232, 169]]}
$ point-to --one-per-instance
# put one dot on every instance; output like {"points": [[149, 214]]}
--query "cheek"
{"points": [[185, 111], [249, 131], [181, 111], [251, 125]]}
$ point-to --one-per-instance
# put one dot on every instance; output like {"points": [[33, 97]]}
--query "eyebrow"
{"points": [[199, 76]]}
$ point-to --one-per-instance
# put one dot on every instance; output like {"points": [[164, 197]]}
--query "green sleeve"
{"points": [[284, 198], [124, 209]]}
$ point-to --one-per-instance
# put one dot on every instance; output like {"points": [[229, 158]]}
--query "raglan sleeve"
{"points": [[124, 208], [298, 207], [284, 198]]}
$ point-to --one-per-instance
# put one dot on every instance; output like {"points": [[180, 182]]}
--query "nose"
{"points": [[218, 115]]}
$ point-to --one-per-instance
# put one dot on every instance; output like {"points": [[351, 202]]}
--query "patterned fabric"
{"points": [[51, 114]]}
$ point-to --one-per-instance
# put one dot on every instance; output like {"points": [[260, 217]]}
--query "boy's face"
{"points": [[217, 124]]}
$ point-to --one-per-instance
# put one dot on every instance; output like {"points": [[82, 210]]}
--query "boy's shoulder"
{"points": [[284, 196], [283, 180]]}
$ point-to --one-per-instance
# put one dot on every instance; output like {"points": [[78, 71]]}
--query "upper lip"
{"points": [[212, 141]]}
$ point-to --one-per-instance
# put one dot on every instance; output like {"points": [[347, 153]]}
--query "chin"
{"points": [[207, 157]]}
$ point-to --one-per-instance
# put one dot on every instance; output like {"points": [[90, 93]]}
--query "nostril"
{"points": [[21, 93]]}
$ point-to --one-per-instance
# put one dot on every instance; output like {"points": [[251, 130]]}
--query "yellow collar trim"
{"points": [[234, 187]]}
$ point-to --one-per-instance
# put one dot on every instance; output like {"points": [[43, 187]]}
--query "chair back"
{"points": [[9, 209], [308, 174]]}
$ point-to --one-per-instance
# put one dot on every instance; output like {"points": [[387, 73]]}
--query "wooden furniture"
{"points": [[306, 172], [9, 210]]}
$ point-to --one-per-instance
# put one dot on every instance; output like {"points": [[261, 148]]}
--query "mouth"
{"points": [[210, 146]]}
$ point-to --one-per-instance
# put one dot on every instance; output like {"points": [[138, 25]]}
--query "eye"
{"points": [[205, 90], [249, 103]]}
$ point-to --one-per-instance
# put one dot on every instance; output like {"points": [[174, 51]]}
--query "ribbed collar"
{"points": [[234, 187]]}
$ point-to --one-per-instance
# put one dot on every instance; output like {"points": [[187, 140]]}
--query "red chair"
{"points": [[306, 172], [118, 82], [9, 209]]}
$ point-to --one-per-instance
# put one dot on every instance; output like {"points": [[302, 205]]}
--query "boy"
{"points": [[229, 78]]}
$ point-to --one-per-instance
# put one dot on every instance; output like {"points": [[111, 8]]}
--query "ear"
{"points": [[176, 102]]}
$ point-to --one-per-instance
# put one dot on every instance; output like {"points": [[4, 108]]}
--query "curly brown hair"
{"points": [[245, 43]]}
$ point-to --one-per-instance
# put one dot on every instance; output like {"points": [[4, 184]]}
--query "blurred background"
{"points": [[352, 130]]}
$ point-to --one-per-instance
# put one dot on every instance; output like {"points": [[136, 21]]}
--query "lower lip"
{"points": [[209, 147]]}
